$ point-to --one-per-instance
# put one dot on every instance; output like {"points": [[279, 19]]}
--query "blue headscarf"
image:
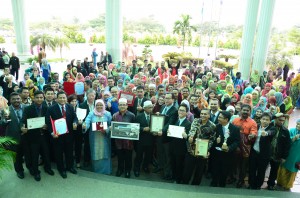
{"points": [[279, 98], [248, 90], [263, 107]]}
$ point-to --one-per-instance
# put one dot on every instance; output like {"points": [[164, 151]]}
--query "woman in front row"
{"points": [[99, 138]]}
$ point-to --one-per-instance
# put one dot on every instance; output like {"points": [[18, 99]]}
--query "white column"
{"points": [[114, 29], [21, 29], [248, 38], [263, 35]]}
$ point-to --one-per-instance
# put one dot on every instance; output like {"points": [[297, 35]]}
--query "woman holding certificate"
{"points": [[97, 122]]}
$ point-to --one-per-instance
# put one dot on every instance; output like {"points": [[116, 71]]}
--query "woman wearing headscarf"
{"points": [[231, 110], [262, 103], [229, 89], [282, 89], [255, 97], [279, 102], [94, 56], [248, 99], [73, 73], [31, 87], [102, 81], [288, 105], [263, 80], [254, 79], [247, 90], [79, 77], [198, 84], [98, 122], [41, 83], [234, 99], [287, 171], [46, 69], [239, 90], [67, 77], [266, 89], [228, 79]]}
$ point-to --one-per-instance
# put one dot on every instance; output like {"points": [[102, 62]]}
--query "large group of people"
{"points": [[244, 122]]}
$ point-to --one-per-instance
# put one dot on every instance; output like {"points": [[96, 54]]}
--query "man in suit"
{"points": [[49, 97], [260, 153], [146, 140], [223, 149], [106, 59], [89, 105], [163, 152], [34, 137], [178, 148], [63, 144], [137, 107], [12, 122], [214, 110]]}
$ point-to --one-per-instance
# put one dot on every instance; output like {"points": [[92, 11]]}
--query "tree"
{"points": [[294, 37], [6, 156], [61, 42], [45, 40], [147, 52], [184, 29], [2, 39]]}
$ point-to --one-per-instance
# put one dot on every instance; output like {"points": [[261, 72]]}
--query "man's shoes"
{"points": [[73, 171], [21, 174], [157, 170], [137, 173], [119, 173], [127, 174], [63, 174], [37, 177], [146, 170], [271, 188], [49, 171], [240, 184]]}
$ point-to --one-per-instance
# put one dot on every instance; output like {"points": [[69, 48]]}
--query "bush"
{"points": [[221, 64], [2, 39], [232, 44], [35, 58]]}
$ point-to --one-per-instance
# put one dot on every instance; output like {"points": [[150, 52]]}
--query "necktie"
{"points": [[178, 123], [213, 117], [49, 104], [148, 119], [165, 111], [19, 114], [63, 111]]}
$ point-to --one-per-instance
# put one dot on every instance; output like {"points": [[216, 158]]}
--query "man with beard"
{"points": [[214, 110]]}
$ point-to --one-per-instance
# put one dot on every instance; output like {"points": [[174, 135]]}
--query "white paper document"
{"points": [[175, 131], [100, 124], [61, 126], [81, 113], [35, 123]]}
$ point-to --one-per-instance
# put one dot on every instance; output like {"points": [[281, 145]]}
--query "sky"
{"points": [[165, 11]]}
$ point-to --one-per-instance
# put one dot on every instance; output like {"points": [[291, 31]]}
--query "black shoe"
{"points": [[73, 171], [157, 170], [240, 184], [31, 172], [37, 177], [21, 174], [146, 170], [127, 174], [137, 173], [49, 171], [271, 188], [63, 174], [119, 173]]}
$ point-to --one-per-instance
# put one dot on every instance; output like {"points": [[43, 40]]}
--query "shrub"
{"points": [[2, 39], [35, 58]]}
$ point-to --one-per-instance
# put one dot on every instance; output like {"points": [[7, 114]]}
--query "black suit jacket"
{"points": [[133, 109], [85, 105], [265, 142], [146, 138], [31, 112], [177, 145], [46, 105], [170, 119], [233, 141], [55, 113], [216, 120]]}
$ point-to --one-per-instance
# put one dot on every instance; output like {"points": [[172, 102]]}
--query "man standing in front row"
{"points": [[63, 144], [35, 137]]}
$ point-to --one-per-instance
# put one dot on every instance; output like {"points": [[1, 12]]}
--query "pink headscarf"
{"points": [[79, 79], [99, 113]]}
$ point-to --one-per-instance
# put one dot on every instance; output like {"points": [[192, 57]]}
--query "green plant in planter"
{"points": [[6, 156], [227, 57]]}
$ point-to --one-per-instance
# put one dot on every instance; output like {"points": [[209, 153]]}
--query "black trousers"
{"points": [[143, 155], [45, 151], [79, 139], [124, 159], [20, 149], [243, 164], [63, 147], [221, 163], [273, 172], [257, 169], [192, 163], [177, 164], [14, 72]]}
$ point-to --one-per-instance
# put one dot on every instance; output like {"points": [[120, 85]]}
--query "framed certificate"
{"points": [[59, 126], [175, 131], [129, 96], [156, 123], [201, 147], [125, 130], [35, 123]]}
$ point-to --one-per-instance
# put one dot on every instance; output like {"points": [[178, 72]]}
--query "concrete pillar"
{"points": [[21, 29], [263, 35], [248, 38], [114, 29]]}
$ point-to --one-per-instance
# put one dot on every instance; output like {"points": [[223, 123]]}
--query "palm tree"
{"points": [[184, 29], [45, 40], [6, 156], [61, 42]]}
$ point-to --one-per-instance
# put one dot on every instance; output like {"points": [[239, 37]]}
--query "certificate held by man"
{"points": [[201, 147], [59, 126], [175, 131], [35, 123]]}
